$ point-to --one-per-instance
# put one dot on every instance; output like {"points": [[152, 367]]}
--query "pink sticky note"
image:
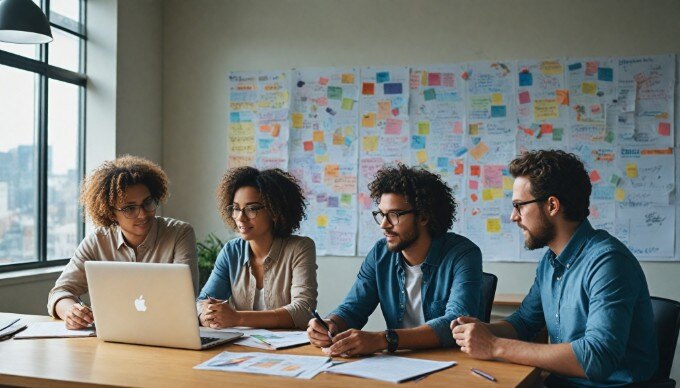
{"points": [[393, 126], [474, 185], [591, 68], [323, 81], [434, 79], [524, 97], [594, 176], [458, 128], [665, 129], [448, 79]]}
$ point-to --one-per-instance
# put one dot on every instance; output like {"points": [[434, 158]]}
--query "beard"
{"points": [[542, 236], [405, 239]]}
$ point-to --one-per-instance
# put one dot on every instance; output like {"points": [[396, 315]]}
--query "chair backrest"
{"points": [[489, 282], [667, 325]]}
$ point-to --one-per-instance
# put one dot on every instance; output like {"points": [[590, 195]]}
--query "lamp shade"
{"points": [[22, 21]]}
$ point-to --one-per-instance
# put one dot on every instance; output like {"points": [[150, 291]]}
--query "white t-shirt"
{"points": [[258, 304], [414, 302]]}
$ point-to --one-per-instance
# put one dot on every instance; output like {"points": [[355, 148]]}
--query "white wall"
{"points": [[204, 40]]}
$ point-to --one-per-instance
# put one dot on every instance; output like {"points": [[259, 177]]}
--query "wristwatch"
{"points": [[392, 340]]}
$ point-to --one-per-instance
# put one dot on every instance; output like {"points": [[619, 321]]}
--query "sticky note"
{"points": [[665, 129], [615, 179], [459, 169], [368, 88], [393, 126], [594, 176], [460, 152], [384, 109], [619, 194], [558, 134], [474, 197], [382, 77], [448, 79], [418, 142], [493, 225], [525, 79], [434, 79], [369, 143], [487, 195], [609, 137], [551, 68], [334, 93], [297, 118], [368, 120], [589, 88], [423, 78], [524, 97], [545, 110], [347, 78], [442, 162], [497, 193], [322, 221], [429, 94], [575, 66], [479, 150], [632, 170], [320, 159], [347, 104], [424, 127], [338, 139], [333, 201], [546, 129], [323, 81], [562, 96], [421, 156], [346, 199], [508, 182], [317, 136], [331, 170], [265, 128], [234, 117], [473, 185], [605, 74], [496, 99], [498, 111], [308, 145], [474, 129], [591, 68], [392, 88], [475, 170], [458, 127]]}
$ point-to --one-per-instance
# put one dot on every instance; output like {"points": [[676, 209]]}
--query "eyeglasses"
{"points": [[518, 205], [250, 211], [132, 211], [392, 216]]}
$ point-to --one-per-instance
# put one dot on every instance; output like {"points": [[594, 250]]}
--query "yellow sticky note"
{"points": [[546, 109], [319, 159], [507, 183], [589, 88], [423, 79], [297, 120], [317, 136], [619, 194], [347, 78], [551, 68], [421, 156], [370, 143], [487, 195], [424, 128], [493, 225], [347, 104], [497, 193], [474, 129], [368, 120], [632, 170], [496, 99], [322, 221], [331, 170], [338, 139]]}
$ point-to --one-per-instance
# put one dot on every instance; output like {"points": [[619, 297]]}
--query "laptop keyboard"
{"points": [[207, 340]]}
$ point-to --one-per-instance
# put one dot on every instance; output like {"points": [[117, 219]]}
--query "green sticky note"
{"points": [[334, 93], [609, 137], [346, 199], [429, 94], [615, 180], [557, 134], [347, 103]]}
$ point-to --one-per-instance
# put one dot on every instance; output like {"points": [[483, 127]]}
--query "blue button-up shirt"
{"points": [[593, 295], [451, 286]]}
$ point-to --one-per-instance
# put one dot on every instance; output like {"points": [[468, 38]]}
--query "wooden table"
{"points": [[89, 361]]}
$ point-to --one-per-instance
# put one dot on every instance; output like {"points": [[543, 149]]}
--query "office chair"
{"points": [[489, 282]]}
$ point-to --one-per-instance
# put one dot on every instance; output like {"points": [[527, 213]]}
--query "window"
{"points": [[42, 89]]}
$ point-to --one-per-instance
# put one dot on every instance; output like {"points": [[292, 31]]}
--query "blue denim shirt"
{"points": [[594, 295], [451, 286]]}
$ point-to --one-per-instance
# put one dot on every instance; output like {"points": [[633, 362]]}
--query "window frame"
{"points": [[46, 72]]}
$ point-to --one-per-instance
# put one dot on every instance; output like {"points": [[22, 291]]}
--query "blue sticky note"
{"points": [[348, 141], [498, 111], [429, 94], [526, 79], [392, 88], [605, 74], [333, 202], [382, 77], [234, 117], [442, 162], [418, 142], [575, 66], [460, 152], [264, 144]]}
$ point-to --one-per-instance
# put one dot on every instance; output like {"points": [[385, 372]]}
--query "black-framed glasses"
{"points": [[250, 211], [392, 216], [132, 211], [518, 205]]}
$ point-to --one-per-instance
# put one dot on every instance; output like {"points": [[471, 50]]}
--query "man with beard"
{"points": [[589, 291], [422, 276]]}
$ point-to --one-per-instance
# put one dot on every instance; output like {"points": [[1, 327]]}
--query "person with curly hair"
{"points": [[121, 198], [589, 292], [422, 276], [265, 278]]}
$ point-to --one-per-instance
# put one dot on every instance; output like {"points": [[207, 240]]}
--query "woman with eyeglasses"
{"points": [[266, 278], [121, 198]]}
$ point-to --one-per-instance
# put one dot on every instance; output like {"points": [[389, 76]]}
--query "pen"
{"points": [[482, 374], [322, 323], [9, 324], [80, 302], [222, 302]]}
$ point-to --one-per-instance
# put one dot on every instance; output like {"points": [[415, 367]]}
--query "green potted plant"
{"points": [[208, 250]]}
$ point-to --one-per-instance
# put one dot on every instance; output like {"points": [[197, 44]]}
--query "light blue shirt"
{"points": [[451, 286], [594, 295]]}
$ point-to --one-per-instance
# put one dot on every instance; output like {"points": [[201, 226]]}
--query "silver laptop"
{"points": [[147, 304]]}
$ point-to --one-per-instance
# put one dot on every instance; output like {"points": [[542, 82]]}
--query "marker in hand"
{"points": [[323, 324]]}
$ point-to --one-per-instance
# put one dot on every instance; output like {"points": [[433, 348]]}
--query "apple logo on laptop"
{"points": [[140, 304]]}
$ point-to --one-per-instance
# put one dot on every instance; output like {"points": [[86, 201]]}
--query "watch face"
{"points": [[392, 340]]}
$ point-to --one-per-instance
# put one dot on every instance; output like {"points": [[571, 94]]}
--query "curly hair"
{"points": [[106, 186], [280, 192], [556, 173], [430, 196]]}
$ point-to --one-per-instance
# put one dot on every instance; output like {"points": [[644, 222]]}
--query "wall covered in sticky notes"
{"points": [[466, 122]]}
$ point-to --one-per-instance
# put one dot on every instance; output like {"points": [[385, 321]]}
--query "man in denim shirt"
{"points": [[589, 291], [422, 276]]}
